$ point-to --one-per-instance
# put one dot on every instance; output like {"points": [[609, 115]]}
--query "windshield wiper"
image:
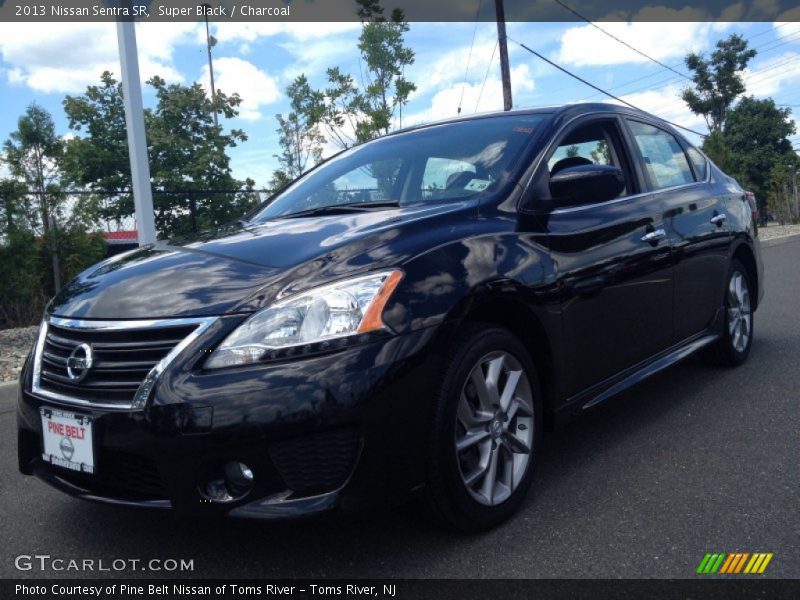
{"points": [[332, 209]]}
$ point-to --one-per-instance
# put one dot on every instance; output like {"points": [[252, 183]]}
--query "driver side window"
{"points": [[590, 144]]}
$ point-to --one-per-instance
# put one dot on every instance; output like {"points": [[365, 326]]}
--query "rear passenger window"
{"points": [[664, 160], [699, 163]]}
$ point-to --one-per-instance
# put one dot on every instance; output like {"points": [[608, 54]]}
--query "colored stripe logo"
{"points": [[738, 562]]}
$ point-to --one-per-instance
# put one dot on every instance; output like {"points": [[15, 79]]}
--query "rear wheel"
{"points": [[733, 347], [486, 430]]}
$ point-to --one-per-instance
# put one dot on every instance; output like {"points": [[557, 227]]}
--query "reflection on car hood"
{"points": [[243, 269]]}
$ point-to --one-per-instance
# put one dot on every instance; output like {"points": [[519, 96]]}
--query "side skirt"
{"points": [[616, 384], [659, 363]]}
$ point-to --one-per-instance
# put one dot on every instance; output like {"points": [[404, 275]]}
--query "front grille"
{"points": [[319, 462], [122, 358]]}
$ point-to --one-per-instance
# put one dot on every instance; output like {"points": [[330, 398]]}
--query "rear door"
{"points": [[613, 263], [695, 220]]}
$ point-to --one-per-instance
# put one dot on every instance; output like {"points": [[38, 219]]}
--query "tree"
{"points": [[34, 153], [15, 206], [717, 80], [298, 134], [189, 165], [352, 113], [780, 183], [755, 134], [99, 161], [716, 148]]}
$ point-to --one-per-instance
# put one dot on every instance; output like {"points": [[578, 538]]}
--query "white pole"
{"points": [[137, 141]]}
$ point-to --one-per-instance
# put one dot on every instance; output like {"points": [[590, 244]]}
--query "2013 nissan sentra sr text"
{"points": [[404, 319]]}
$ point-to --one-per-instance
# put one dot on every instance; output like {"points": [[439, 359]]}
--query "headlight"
{"points": [[339, 310]]}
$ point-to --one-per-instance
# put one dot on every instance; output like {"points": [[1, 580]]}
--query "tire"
{"points": [[494, 440], [733, 346]]}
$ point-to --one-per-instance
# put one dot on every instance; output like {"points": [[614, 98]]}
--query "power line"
{"points": [[623, 42], [469, 56], [599, 89], [485, 77], [665, 82]]}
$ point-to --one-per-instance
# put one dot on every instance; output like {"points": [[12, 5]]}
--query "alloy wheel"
{"points": [[494, 429], [739, 313]]}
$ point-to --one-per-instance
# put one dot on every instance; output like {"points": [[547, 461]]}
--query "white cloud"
{"points": [[587, 46], [769, 76], [477, 97], [236, 75], [227, 32], [51, 57], [667, 104], [788, 23]]}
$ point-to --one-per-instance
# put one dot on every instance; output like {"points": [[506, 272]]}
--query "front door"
{"points": [[613, 264]]}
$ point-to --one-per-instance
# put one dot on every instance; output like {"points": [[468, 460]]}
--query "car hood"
{"points": [[242, 269]]}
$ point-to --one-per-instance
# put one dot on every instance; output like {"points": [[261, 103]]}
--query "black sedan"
{"points": [[403, 320]]}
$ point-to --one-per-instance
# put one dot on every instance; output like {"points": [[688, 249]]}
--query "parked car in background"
{"points": [[404, 319]]}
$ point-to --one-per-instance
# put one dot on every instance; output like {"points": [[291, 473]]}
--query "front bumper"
{"points": [[340, 430]]}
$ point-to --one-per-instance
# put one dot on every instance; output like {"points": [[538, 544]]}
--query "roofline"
{"points": [[553, 110]]}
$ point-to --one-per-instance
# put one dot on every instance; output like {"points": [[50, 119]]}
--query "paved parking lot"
{"points": [[696, 460]]}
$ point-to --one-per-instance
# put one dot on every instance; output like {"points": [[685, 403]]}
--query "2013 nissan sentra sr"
{"points": [[404, 319]]}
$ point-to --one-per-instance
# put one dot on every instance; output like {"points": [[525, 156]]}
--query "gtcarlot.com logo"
{"points": [[45, 562], [734, 563]]}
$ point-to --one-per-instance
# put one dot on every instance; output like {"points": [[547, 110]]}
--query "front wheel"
{"points": [[486, 430], [733, 347]]}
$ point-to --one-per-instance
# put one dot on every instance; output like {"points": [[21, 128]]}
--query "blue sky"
{"points": [[43, 62]]}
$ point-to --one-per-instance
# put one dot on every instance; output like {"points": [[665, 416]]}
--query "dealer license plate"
{"points": [[67, 439]]}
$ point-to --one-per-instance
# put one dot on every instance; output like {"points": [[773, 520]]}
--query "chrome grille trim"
{"points": [[142, 394]]}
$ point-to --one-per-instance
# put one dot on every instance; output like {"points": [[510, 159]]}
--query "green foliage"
{"points": [[352, 113], [716, 148], [28, 281], [22, 295], [278, 181], [298, 134], [717, 80], [755, 134], [16, 211], [34, 154], [187, 152], [780, 182]]}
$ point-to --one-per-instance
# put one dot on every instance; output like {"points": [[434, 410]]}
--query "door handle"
{"points": [[718, 220], [653, 237]]}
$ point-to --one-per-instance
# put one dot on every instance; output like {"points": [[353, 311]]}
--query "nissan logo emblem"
{"points": [[67, 448], [79, 362]]}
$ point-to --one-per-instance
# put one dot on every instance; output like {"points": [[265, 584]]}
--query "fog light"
{"points": [[232, 482]]}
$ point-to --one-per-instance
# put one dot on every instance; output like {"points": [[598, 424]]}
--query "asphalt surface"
{"points": [[695, 460]]}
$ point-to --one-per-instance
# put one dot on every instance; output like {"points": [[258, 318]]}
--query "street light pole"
{"points": [[211, 41], [137, 140]]}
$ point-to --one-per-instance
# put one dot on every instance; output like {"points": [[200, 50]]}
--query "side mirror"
{"points": [[587, 184]]}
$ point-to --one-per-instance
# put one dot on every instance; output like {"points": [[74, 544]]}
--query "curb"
{"points": [[8, 392], [781, 240]]}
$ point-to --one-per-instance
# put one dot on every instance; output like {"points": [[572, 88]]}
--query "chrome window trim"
{"points": [[145, 388], [602, 113]]}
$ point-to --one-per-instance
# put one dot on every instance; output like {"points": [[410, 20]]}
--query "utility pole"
{"points": [[211, 41], [137, 140], [505, 73]]}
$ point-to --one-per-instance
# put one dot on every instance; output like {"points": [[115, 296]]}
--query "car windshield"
{"points": [[446, 162]]}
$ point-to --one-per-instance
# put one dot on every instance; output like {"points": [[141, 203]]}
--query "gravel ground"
{"points": [[14, 347], [772, 231]]}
